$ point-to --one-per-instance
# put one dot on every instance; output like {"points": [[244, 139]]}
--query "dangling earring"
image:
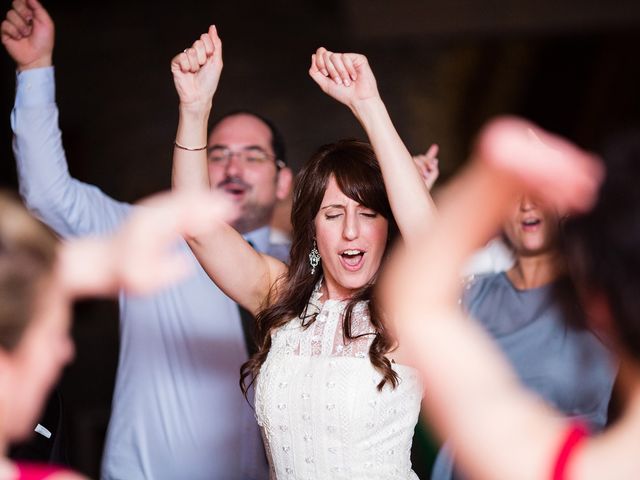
{"points": [[314, 258]]}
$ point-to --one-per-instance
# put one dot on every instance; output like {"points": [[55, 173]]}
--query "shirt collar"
{"points": [[259, 238]]}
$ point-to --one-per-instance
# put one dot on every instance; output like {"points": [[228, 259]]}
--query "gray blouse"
{"points": [[568, 367]]}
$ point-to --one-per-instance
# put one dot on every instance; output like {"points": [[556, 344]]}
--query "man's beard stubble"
{"points": [[253, 216]]}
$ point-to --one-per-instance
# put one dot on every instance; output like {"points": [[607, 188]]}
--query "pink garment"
{"points": [[37, 471]]}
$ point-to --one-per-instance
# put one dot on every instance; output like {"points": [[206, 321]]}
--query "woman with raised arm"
{"points": [[331, 396], [40, 277], [498, 429]]}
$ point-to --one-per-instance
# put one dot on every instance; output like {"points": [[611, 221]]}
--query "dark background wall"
{"points": [[443, 68]]}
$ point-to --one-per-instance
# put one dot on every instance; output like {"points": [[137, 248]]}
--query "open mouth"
{"points": [[352, 259], [234, 189], [530, 224]]}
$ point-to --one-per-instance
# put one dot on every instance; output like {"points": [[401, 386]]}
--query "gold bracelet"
{"points": [[188, 149]]}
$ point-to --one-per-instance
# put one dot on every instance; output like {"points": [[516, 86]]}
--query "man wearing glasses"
{"points": [[246, 161], [177, 410]]}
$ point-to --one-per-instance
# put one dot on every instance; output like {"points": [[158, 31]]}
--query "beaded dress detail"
{"points": [[318, 405]]}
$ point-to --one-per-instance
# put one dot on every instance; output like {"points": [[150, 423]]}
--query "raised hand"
{"points": [[28, 34], [196, 71], [547, 165], [427, 164], [346, 77], [142, 255], [144, 249]]}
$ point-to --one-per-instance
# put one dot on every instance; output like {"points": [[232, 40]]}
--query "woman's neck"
{"points": [[334, 292], [534, 272]]}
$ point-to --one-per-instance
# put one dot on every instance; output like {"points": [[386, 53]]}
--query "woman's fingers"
{"points": [[337, 60], [316, 74], [328, 64], [182, 61], [341, 68], [338, 67], [194, 65], [194, 57], [320, 61], [347, 58], [215, 39], [427, 164], [201, 52], [208, 44], [432, 153]]}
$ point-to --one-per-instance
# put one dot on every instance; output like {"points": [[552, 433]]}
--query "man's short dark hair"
{"points": [[277, 140]]}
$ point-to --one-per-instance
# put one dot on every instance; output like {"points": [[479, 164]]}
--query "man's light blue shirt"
{"points": [[178, 412]]}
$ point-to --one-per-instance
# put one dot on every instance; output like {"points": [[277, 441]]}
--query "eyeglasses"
{"points": [[250, 156]]}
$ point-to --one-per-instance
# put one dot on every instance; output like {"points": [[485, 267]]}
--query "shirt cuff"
{"points": [[35, 87]]}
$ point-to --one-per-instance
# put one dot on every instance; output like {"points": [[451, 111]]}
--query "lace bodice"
{"points": [[318, 406]]}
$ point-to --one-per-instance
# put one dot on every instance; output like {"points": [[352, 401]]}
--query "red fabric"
{"points": [[576, 434], [35, 471]]}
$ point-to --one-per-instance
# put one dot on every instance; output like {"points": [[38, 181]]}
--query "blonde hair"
{"points": [[27, 258]]}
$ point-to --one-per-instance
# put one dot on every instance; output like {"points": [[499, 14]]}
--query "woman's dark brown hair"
{"points": [[354, 166], [603, 246], [27, 258]]}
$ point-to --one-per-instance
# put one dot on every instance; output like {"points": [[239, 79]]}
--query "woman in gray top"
{"points": [[566, 366]]}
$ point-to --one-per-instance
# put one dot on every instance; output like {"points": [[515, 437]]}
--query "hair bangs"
{"points": [[358, 175]]}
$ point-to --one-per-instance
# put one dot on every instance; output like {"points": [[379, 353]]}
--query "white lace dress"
{"points": [[321, 414]]}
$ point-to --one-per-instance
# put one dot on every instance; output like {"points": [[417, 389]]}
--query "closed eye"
{"points": [[331, 216], [370, 214]]}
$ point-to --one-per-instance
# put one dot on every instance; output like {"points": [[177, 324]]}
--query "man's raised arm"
{"points": [[70, 207]]}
